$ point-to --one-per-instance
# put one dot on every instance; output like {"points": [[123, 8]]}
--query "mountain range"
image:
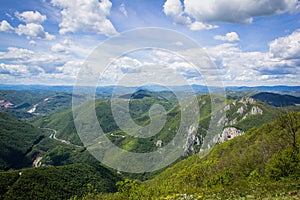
{"points": [[241, 141]]}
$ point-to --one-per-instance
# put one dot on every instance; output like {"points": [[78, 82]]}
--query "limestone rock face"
{"points": [[241, 110], [159, 143], [256, 111], [229, 133], [247, 100]]}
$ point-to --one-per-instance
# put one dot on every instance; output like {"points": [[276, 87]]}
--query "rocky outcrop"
{"points": [[159, 143], [256, 111], [241, 110], [191, 140], [6, 104], [247, 100], [229, 133], [232, 122]]}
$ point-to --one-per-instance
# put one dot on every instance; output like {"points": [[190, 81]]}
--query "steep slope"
{"points": [[264, 163], [64, 124], [16, 140], [238, 116], [56, 182]]}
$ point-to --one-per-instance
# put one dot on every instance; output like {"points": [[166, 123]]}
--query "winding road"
{"points": [[60, 140]]}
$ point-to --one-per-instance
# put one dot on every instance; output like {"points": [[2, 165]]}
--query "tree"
{"points": [[290, 123]]}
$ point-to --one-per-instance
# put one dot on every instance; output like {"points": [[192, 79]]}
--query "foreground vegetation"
{"points": [[56, 182], [262, 164]]}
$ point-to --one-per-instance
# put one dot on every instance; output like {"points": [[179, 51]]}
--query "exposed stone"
{"points": [[6, 104], [245, 116], [232, 122], [247, 100], [256, 111], [159, 143], [222, 120], [241, 110], [227, 107], [229, 133]]}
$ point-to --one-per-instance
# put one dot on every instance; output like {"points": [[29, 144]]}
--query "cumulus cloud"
{"points": [[15, 54], [38, 67], [47, 61], [233, 11], [58, 48], [34, 30], [5, 26], [286, 47], [32, 26], [230, 37], [173, 8], [19, 70], [85, 15], [197, 26], [31, 17], [280, 63]]}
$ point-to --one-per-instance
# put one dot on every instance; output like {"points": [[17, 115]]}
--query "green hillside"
{"points": [[21, 144], [263, 163], [27, 105], [16, 140], [139, 110], [56, 182]]}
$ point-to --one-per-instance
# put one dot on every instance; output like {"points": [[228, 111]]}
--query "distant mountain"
{"points": [[26, 105], [277, 100], [122, 90], [281, 89]]}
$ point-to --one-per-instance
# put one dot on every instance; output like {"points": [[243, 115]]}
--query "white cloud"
{"points": [[123, 10], [26, 66], [34, 30], [5, 26], [173, 8], [197, 26], [203, 13], [19, 70], [58, 48], [286, 47], [14, 53], [280, 65], [32, 43], [31, 17], [47, 61], [85, 15], [230, 37]]}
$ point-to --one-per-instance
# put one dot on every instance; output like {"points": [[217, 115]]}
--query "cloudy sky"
{"points": [[252, 42]]}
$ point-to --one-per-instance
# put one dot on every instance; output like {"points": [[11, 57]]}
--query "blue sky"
{"points": [[251, 42]]}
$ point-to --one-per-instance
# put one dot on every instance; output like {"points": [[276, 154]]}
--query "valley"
{"points": [[251, 138]]}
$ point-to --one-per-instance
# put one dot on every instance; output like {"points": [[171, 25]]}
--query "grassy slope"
{"points": [[259, 164]]}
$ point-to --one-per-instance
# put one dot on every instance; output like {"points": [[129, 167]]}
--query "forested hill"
{"points": [[264, 163], [16, 141], [277, 99]]}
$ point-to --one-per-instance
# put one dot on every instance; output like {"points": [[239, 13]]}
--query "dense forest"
{"points": [[42, 155]]}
